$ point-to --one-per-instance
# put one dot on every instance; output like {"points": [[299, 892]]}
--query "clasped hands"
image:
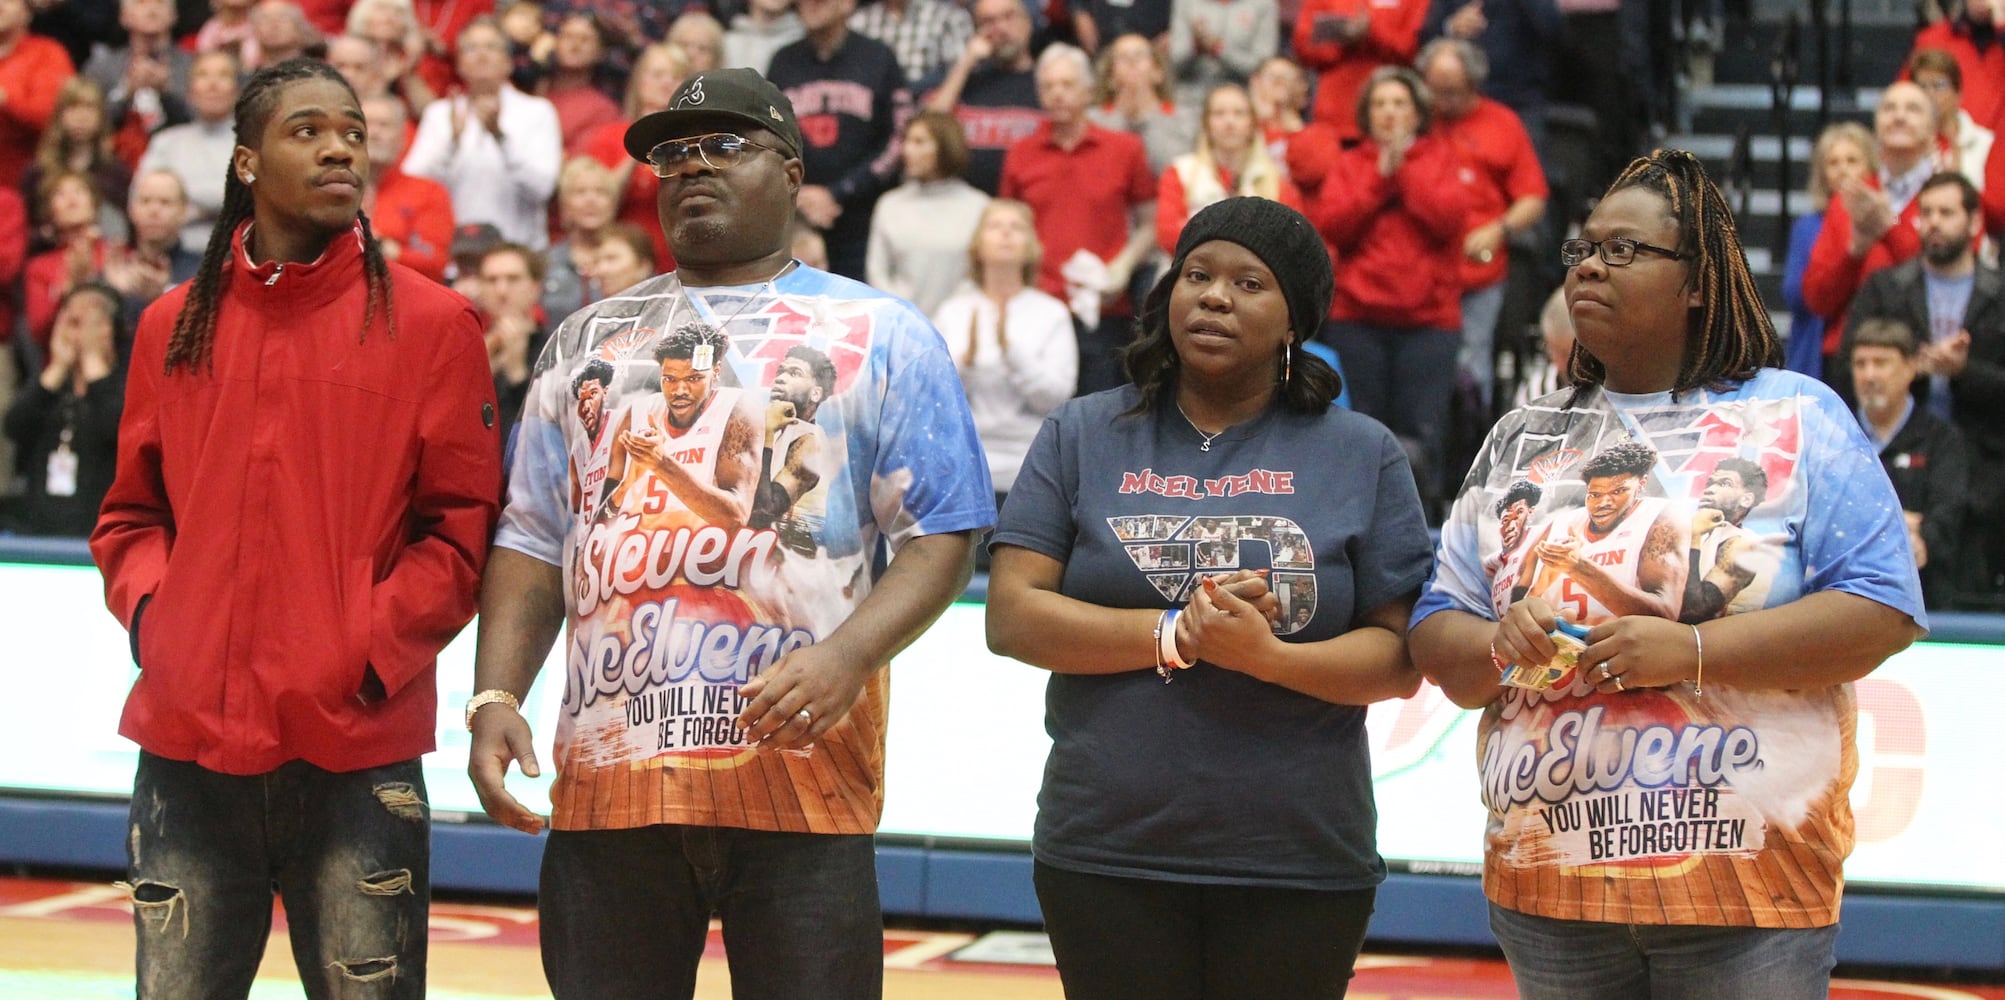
{"points": [[1229, 620]]}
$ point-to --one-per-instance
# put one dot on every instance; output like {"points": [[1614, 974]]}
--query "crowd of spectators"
{"points": [[1896, 300], [1415, 134]]}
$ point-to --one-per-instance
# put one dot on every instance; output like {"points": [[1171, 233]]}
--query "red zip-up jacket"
{"points": [[417, 212], [1398, 238], [318, 505], [1833, 276], [1392, 37]]}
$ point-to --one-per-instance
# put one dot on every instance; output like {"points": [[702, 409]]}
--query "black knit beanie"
{"points": [[1283, 240]]}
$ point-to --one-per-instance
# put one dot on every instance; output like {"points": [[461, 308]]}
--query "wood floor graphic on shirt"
{"points": [[1175, 551]]}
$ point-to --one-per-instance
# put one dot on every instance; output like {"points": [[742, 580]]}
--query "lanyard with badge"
{"points": [[61, 479]]}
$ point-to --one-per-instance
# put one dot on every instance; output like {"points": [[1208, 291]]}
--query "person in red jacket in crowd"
{"points": [[405, 62], [1971, 35], [418, 39], [1870, 223], [1507, 190], [658, 71], [69, 202], [1345, 40], [308, 474], [1229, 160], [572, 77], [1280, 94], [412, 216], [33, 70], [13, 252], [1395, 209]]}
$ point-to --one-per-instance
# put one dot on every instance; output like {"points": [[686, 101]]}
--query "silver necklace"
{"points": [[750, 300], [1208, 438]]}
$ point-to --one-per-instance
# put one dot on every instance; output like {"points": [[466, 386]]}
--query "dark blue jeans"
{"points": [[625, 913], [349, 852], [1404, 379], [1584, 960]]}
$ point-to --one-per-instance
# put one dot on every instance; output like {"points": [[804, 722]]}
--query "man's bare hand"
{"points": [[500, 736]]}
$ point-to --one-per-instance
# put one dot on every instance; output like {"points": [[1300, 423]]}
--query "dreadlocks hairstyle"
{"points": [[1729, 335], [192, 344]]}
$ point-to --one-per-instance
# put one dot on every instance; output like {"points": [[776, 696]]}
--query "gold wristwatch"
{"points": [[489, 697]]}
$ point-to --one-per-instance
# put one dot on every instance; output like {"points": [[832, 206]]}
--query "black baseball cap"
{"points": [[718, 100], [472, 239]]}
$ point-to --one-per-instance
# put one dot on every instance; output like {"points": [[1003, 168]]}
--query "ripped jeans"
{"points": [[349, 852]]}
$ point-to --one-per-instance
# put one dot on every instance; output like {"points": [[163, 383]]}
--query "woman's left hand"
{"points": [[1250, 585], [1223, 629], [1639, 651]]}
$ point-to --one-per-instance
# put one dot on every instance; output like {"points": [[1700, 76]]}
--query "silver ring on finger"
{"points": [[1605, 675], [806, 717], [1618, 683]]}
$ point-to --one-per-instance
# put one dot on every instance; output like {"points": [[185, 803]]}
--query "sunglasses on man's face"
{"points": [[718, 151]]}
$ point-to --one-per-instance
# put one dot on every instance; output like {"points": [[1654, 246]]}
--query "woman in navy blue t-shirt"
{"points": [[1216, 566]]}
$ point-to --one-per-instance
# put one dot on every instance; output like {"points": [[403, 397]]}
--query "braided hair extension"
{"points": [[1730, 336], [191, 346]]}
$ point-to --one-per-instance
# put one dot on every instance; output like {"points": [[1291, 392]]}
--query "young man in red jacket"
{"points": [[308, 473]]}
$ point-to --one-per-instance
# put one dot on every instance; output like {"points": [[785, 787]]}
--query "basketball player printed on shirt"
{"points": [[590, 389], [689, 454], [1623, 553], [792, 496], [1514, 524], [1731, 567]]}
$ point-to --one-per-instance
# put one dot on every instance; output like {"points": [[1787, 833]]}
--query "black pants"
{"points": [[1122, 938]]}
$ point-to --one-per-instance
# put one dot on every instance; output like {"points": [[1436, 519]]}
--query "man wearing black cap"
{"points": [[721, 747]]}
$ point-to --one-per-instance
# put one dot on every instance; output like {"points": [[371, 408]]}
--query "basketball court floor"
{"points": [[72, 940]]}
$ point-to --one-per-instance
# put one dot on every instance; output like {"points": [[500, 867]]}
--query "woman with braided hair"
{"points": [[1664, 642], [308, 472]]}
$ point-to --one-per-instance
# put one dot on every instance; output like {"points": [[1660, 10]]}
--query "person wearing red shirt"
{"points": [[571, 79], [1279, 92], [658, 71], [1229, 160], [1395, 209], [1973, 39], [1345, 40], [1506, 187], [13, 251], [440, 23], [1094, 198], [33, 70], [69, 201], [412, 216], [308, 474], [1870, 223]]}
